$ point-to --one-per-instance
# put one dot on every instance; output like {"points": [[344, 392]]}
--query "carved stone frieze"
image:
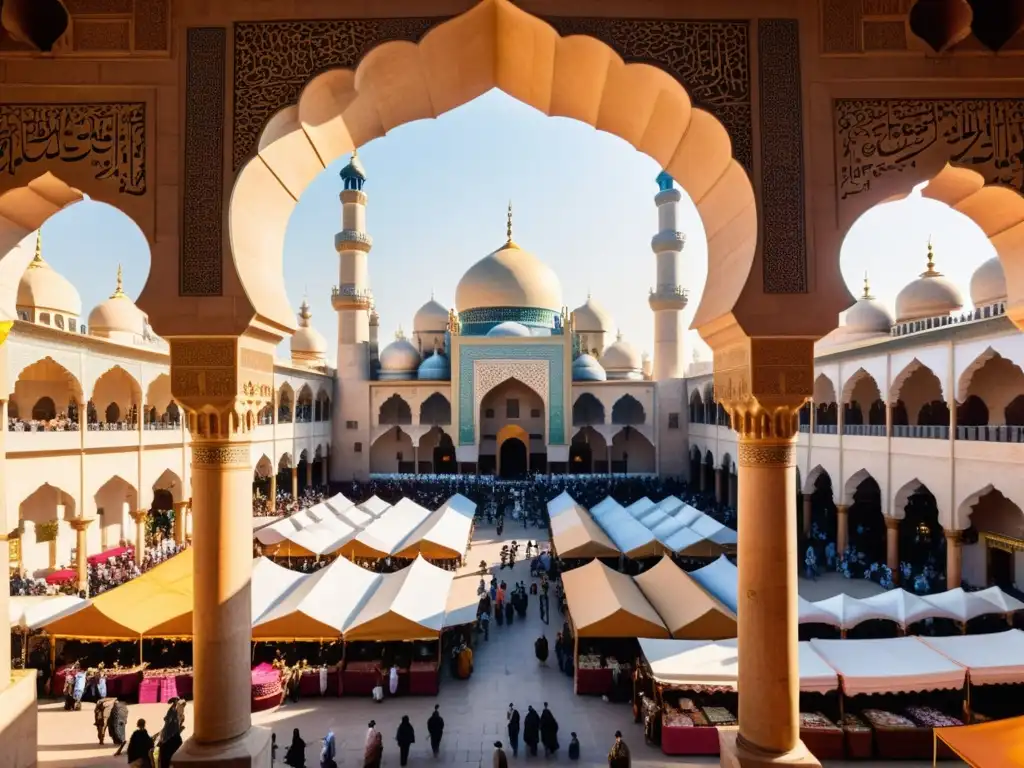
{"points": [[879, 138], [784, 241], [203, 371], [220, 455], [752, 454], [201, 270], [110, 138]]}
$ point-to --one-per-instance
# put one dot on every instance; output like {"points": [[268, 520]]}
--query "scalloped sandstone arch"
{"points": [[896, 389], [963, 383], [493, 45], [851, 384]]}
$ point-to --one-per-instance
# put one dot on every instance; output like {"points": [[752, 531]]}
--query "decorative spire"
{"points": [[509, 242], [37, 260], [304, 313], [931, 272], [119, 290], [399, 334], [867, 287]]}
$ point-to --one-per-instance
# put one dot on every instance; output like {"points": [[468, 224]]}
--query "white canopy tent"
{"points": [[720, 579], [963, 606], [606, 506], [374, 506], [653, 516], [991, 659], [339, 503], [640, 507], [848, 612], [905, 607], [387, 534], [560, 503], [630, 535], [892, 665], [282, 529], [356, 517], [33, 611], [1004, 602], [811, 613], [716, 663], [670, 504], [444, 534], [269, 584], [687, 514], [410, 604], [712, 530], [664, 530]]}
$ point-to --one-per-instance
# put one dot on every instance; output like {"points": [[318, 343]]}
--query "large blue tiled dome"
{"points": [[586, 368], [435, 368]]}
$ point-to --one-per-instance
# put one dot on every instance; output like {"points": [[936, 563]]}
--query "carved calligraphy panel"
{"points": [[203, 371], [711, 59], [111, 138], [881, 137]]}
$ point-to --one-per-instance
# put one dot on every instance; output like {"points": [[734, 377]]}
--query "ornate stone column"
{"points": [[324, 481], [220, 382], [81, 525], [719, 490], [954, 558], [730, 485], [140, 516], [703, 477], [892, 547], [272, 501], [762, 383], [295, 483], [807, 511], [309, 473], [5, 635], [842, 528], [179, 522]]}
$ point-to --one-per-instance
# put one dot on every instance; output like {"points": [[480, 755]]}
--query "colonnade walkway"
{"points": [[506, 670]]}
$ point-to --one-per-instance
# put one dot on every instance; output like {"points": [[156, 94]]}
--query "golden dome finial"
{"points": [[304, 313], [509, 242], [867, 287], [37, 260], [930, 272], [119, 290], [399, 334]]}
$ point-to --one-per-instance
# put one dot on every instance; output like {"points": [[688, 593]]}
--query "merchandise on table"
{"points": [[929, 717], [589, 661], [719, 716], [673, 718], [817, 721], [883, 719], [852, 722]]}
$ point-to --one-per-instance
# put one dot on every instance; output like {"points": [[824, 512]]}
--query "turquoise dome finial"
{"points": [[665, 182]]}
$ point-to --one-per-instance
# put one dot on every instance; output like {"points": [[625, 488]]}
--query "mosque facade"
{"points": [[509, 381]]}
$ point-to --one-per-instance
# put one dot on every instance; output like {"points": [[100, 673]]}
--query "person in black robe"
{"points": [[513, 730], [140, 746], [531, 730], [296, 754], [548, 731], [510, 613], [117, 724], [435, 728], [405, 737], [541, 649]]}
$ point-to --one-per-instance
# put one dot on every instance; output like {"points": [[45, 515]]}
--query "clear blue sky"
{"points": [[438, 189]]}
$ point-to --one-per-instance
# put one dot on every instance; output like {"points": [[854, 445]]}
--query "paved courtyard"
{"points": [[474, 710]]}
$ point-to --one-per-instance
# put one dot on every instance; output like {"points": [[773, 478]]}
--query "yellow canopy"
{"points": [[987, 745], [156, 604], [574, 534], [688, 611], [606, 603]]}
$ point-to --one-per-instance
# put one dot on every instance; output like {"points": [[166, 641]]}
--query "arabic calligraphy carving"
{"points": [[111, 137], [879, 137], [711, 59]]}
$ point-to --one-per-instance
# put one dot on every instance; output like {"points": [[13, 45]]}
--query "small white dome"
{"points": [[931, 295], [988, 283], [42, 287], [307, 340], [508, 328], [591, 317], [400, 356], [621, 360], [431, 317], [867, 316], [117, 315]]}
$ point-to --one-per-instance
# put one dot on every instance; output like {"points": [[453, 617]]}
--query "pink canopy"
{"points": [[61, 577], [102, 557]]}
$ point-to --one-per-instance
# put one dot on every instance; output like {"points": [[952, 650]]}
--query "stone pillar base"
{"points": [[19, 721], [736, 755], [249, 751]]}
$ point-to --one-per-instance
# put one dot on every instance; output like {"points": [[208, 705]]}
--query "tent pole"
{"points": [[575, 662], [140, 652]]}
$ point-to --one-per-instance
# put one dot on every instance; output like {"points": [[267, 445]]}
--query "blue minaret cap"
{"points": [[353, 173], [665, 182]]}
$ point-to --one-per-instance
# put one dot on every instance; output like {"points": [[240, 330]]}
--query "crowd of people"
{"points": [[284, 504]]}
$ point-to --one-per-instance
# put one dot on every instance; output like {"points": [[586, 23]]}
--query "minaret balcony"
{"points": [[352, 240], [349, 297], [668, 297], [668, 240]]}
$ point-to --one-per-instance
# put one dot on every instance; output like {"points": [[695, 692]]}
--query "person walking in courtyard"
{"points": [[618, 755], [393, 680], [295, 757], [574, 746], [117, 724], [531, 730], [170, 735], [328, 751], [140, 748], [500, 758], [435, 729], [374, 752], [513, 729], [405, 737], [548, 731], [510, 613], [485, 624], [102, 716], [540, 648]]}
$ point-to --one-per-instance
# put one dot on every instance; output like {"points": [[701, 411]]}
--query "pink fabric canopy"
{"points": [[102, 557], [61, 577]]}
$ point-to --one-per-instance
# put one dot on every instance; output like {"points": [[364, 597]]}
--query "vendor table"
{"points": [[424, 679], [908, 744], [360, 678], [696, 740], [859, 743], [593, 682], [824, 743]]}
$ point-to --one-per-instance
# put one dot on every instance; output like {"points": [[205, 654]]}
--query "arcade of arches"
{"points": [[203, 171]]}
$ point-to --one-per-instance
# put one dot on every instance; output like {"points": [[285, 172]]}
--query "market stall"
{"points": [[387, 534], [560, 503], [640, 507], [575, 535], [444, 534], [964, 606], [686, 609], [995, 743], [995, 670], [875, 675], [605, 606], [630, 536], [720, 580], [374, 506]]}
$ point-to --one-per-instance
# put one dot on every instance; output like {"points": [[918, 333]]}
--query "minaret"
{"points": [[353, 301], [668, 298]]}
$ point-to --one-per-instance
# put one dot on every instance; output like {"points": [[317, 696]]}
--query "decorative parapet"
{"points": [[668, 296], [668, 240], [350, 297], [941, 321], [352, 240]]}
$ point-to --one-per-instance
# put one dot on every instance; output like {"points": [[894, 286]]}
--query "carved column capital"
{"points": [[892, 524], [80, 524], [140, 515], [954, 538]]}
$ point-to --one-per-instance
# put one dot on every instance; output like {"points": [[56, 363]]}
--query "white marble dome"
{"points": [[930, 295], [117, 316], [307, 340], [868, 315], [621, 360], [509, 329], [431, 317], [592, 317], [988, 283], [399, 359], [509, 277], [44, 288]]}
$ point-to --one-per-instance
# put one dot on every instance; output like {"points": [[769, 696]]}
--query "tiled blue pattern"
{"points": [[556, 404]]}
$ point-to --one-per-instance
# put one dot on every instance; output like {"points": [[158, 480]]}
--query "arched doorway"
{"points": [[512, 459], [512, 409]]}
